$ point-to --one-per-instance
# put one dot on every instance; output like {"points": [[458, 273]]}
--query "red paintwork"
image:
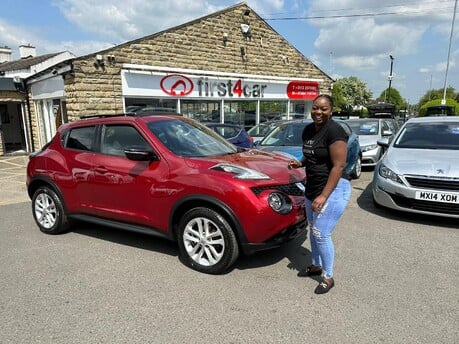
{"points": [[145, 193]]}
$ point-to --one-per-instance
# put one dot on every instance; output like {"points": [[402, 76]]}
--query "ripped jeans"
{"points": [[321, 226]]}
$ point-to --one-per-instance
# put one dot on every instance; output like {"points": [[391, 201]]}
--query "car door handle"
{"points": [[101, 169]]}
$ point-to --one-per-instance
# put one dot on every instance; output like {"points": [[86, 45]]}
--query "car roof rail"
{"points": [[107, 115]]}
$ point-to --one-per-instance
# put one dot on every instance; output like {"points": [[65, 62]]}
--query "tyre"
{"points": [[207, 242], [48, 211], [357, 171]]}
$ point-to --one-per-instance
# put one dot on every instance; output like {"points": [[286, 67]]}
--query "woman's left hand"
{"points": [[318, 203]]}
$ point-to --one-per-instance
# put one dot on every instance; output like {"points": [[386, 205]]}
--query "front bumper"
{"points": [[402, 198], [286, 235]]}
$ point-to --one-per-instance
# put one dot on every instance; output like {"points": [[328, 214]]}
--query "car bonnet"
{"points": [[366, 140], [273, 165], [294, 151], [426, 162]]}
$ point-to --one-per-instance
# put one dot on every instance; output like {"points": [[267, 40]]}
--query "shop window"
{"points": [[203, 111], [300, 109], [242, 113], [136, 104], [273, 110]]}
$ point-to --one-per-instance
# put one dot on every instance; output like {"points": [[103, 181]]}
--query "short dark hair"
{"points": [[326, 96]]}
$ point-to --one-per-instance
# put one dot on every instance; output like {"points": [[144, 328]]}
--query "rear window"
{"points": [[80, 138], [440, 110], [429, 136], [364, 127]]}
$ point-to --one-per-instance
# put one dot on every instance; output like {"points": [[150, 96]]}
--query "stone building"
{"points": [[15, 124], [229, 66]]}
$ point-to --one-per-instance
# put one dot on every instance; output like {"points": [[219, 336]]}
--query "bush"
{"points": [[449, 102]]}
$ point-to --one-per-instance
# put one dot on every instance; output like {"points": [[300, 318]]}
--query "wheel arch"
{"points": [[195, 201], [38, 182]]}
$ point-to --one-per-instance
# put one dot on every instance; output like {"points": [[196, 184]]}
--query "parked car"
{"points": [[258, 131], [170, 176], [286, 138], [369, 131], [234, 133], [440, 110], [154, 110], [420, 171]]}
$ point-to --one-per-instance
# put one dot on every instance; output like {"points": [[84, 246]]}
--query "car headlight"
{"points": [[387, 173], [239, 171], [280, 203], [369, 147]]}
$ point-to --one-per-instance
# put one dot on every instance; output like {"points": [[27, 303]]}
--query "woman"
{"points": [[327, 191]]}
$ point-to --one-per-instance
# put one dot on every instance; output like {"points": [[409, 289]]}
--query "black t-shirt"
{"points": [[317, 156]]}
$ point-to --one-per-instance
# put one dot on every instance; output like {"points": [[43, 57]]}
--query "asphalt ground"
{"points": [[396, 282]]}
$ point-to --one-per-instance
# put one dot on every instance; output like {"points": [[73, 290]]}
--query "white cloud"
{"points": [[358, 41], [16, 35], [126, 20], [352, 45]]}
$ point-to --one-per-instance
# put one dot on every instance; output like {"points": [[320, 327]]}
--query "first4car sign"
{"points": [[156, 84], [182, 85], [230, 88]]}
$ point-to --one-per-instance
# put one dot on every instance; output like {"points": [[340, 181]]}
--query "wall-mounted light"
{"points": [[111, 59], [245, 28], [245, 25], [225, 38], [54, 71], [99, 63]]}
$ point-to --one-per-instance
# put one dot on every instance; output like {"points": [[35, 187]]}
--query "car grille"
{"points": [[290, 189], [428, 206], [436, 184]]}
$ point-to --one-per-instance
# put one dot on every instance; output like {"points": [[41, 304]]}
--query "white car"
{"points": [[419, 172], [369, 131]]}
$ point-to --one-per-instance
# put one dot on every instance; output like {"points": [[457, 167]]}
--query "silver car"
{"points": [[369, 131], [420, 171]]}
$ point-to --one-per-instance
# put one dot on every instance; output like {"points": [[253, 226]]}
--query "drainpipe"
{"points": [[32, 143]]}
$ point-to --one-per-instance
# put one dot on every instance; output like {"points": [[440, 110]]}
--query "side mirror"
{"points": [[387, 133], [140, 153], [384, 142]]}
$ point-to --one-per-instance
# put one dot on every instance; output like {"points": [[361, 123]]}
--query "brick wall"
{"points": [[196, 45]]}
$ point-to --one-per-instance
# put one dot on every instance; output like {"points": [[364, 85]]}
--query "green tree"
{"points": [[353, 91], [393, 98], [338, 99]]}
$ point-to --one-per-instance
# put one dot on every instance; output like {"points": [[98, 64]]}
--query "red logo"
{"points": [[302, 90], [176, 85]]}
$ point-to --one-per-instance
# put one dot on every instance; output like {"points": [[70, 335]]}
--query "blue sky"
{"points": [[343, 37]]}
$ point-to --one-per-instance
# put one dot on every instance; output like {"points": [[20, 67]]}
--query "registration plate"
{"points": [[444, 197]]}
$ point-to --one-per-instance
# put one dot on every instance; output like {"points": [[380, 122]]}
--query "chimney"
{"points": [[5, 54], [26, 51]]}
